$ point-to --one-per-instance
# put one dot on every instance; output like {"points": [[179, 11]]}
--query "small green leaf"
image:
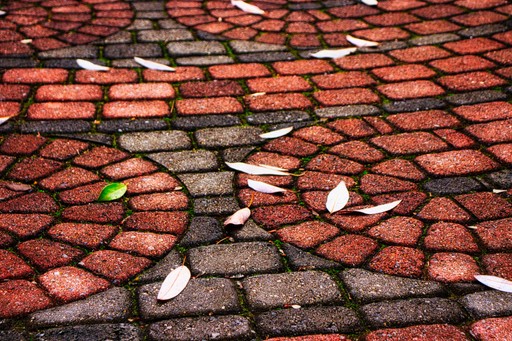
{"points": [[112, 191]]}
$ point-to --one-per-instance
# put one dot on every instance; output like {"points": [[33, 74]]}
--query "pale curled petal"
{"points": [[87, 65], [153, 65], [26, 41], [334, 53], [370, 2], [276, 133], [497, 191], [174, 283], [380, 208], [253, 169], [4, 119], [263, 187], [361, 42], [273, 167], [244, 6], [494, 282], [3, 13], [239, 217], [337, 198]]}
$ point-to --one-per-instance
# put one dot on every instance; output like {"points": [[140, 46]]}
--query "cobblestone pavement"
{"points": [[425, 117]]}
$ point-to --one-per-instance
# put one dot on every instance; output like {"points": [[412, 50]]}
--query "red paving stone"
{"points": [[403, 73], [438, 332], [378, 184], [62, 149], [346, 96], [83, 194], [498, 264], [144, 243], [452, 267], [462, 64], [496, 235], [333, 164], [450, 237], [255, 199], [21, 144], [318, 135], [421, 120], [88, 235], [461, 162], [46, 254], [68, 178], [443, 209], [116, 266], [398, 260], [20, 297], [71, 92], [354, 128], [12, 266], [291, 146], [358, 62], [502, 152], [485, 111], [125, 109], [113, 76], [274, 216], [163, 222], [471, 81], [95, 213], [278, 84], [99, 156], [308, 234], [129, 168], [141, 91], [408, 90], [485, 205], [275, 102], [410, 143], [399, 168], [349, 249], [214, 88], [398, 230], [238, 71]]}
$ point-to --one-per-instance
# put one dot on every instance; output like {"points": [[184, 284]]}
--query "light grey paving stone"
{"points": [[230, 327], [264, 292], [169, 24], [140, 24], [228, 137], [265, 57], [94, 332], [235, 259], [215, 206], [242, 46], [366, 286], [301, 260], [204, 184], [148, 6], [278, 117], [434, 39], [205, 61], [502, 178], [187, 161], [128, 125], [158, 272], [347, 111], [56, 127], [476, 97], [113, 305], [83, 51], [205, 121], [142, 50], [164, 35], [303, 321], [195, 48], [236, 154], [413, 311], [202, 230], [151, 15], [201, 296], [455, 185], [482, 30], [122, 37], [249, 232], [155, 141], [488, 304]]}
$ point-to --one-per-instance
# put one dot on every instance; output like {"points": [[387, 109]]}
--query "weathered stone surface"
{"points": [[162, 268], [240, 46], [457, 185], [215, 205], [203, 184], [205, 121], [250, 231], [186, 161], [228, 137], [488, 303], [347, 111], [155, 141], [191, 48], [94, 332], [202, 230], [302, 260]]}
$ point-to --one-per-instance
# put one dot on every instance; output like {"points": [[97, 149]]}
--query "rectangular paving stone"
{"points": [[235, 259], [187, 161], [159, 271], [303, 321], [142, 50], [129, 125], [148, 36], [201, 296], [265, 57], [195, 48], [205, 61], [204, 184], [265, 292], [228, 137], [230, 327], [414, 311], [94, 332], [56, 127], [205, 121], [83, 51], [215, 205], [366, 286], [488, 304], [278, 117], [414, 105], [347, 111], [242, 46], [155, 141], [202, 230]]}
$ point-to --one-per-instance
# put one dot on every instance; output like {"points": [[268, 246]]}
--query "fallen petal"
{"points": [[361, 42], [263, 187], [337, 198], [253, 169], [370, 2], [494, 282], [174, 283], [334, 53], [244, 6], [276, 133], [87, 65], [153, 65], [380, 208], [239, 217]]}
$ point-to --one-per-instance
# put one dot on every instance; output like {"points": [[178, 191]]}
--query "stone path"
{"points": [[426, 118]]}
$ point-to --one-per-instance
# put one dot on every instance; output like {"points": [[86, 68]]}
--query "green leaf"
{"points": [[112, 191]]}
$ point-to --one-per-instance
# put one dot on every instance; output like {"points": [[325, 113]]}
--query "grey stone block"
{"points": [[266, 292], [113, 305], [150, 14], [205, 121], [202, 230], [384, 47], [158, 272], [304, 321], [502, 179], [56, 127], [278, 117], [66, 63], [215, 206], [366, 286], [82, 51], [301, 260], [155, 141], [148, 6], [17, 62], [205, 61], [249, 232], [414, 311], [414, 105], [476, 97], [488, 304], [140, 24], [122, 126], [91, 137], [204, 184], [12, 335], [201, 296], [187, 161], [195, 48], [236, 154], [228, 137], [95, 332], [122, 37], [434, 39], [235, 259], [148, 36], [347, 111], [456, 185], [117, 51], [229, 327], [265, 57], [482, 30], [242, 46], [169, 24]]}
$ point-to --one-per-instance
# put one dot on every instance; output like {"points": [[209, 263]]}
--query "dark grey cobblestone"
{"points": [[132, 50], [56, 127], [205, 184], [502, 179], [161, 269], [83, 51], [194, 48], [95, 332], [299, 260], [215, 206], [127, 125], [242, 46], [384, 47], [483, 30], [278, 117], [236, 154], [465, 288], [205, 61], [249, 232], [187, 161], [488, 304], [91, 137], [264, 292], [155, 141], [476, 97], [11, 335], [265, 57], [65, 63], [17, 62], [414, 311], [113, 305], [434, 39], [201, 296], [366, 286], [234, 259], [347, 111], [229, 327], [317, 320], [414, 105], [457, 185], [228, 137], [205, 121], [149, 36], [202, 230]]}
